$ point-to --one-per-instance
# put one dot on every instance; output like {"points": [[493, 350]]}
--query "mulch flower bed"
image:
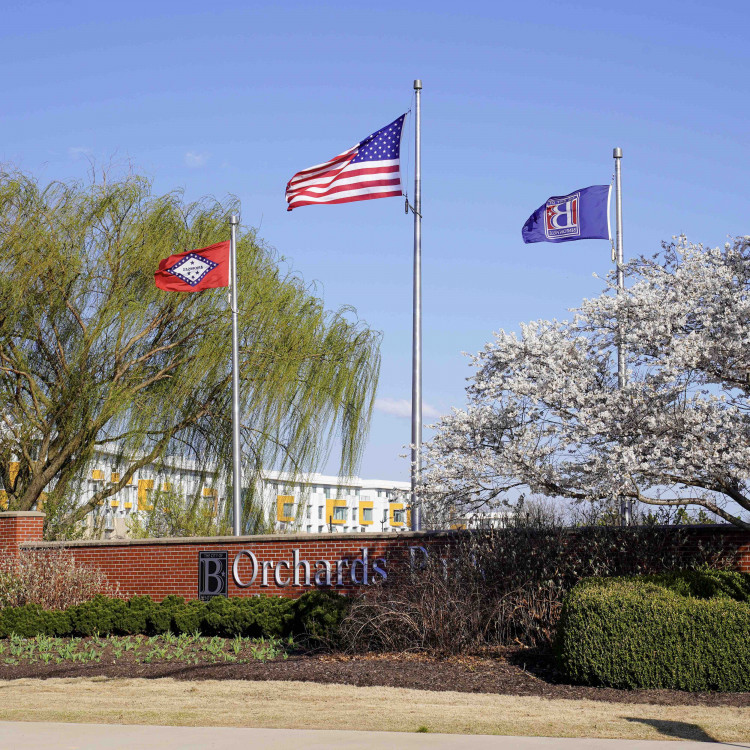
{"points": [[506, 671]]}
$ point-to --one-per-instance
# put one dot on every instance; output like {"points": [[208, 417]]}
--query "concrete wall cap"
{"points": [[22, 514], [363, 539]]}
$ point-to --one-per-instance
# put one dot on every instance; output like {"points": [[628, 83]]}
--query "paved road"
{"points": [[18, 735]]}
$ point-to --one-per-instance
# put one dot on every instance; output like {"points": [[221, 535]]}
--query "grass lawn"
{"points": [[304, 705]]}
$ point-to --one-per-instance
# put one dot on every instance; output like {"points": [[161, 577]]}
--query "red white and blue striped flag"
{"points": [[368, 170]]}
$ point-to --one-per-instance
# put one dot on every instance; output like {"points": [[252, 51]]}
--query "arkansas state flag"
{"points": [[195, 270], [581, 215]]}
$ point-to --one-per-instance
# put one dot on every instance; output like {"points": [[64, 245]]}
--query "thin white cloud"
{"points": [[401, 407], [195, 159], [78, 152]]}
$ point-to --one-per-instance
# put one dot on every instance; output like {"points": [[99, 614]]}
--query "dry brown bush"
{"points": [[505, 587], [50, 578]]}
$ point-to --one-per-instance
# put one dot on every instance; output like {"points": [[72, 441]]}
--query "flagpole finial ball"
{"points": [[417, 84], [617, 153]]}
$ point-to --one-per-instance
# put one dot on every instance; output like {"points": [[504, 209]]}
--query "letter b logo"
{"points": [[212, 575], [561, 217]]}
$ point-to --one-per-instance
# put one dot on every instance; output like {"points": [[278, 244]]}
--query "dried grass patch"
{"points": [[302, 705]]}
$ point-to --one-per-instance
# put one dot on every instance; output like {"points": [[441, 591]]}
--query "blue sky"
{"points": [[520, 102]]}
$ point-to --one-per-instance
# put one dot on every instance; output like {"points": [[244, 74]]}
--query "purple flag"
{"points": [[582, 215]]}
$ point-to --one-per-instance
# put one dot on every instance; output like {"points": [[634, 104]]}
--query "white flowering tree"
{"points": [[545, 413]]}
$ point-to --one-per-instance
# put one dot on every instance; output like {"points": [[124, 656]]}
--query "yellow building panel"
{"points": [[97, 475], [281, 515], [392, 508], [115, 478], [3, 500], [209, 492], [13, 471], [128, 505], [144, 487], [332, 503], [166, 487], [362, 505], [114, 503]]}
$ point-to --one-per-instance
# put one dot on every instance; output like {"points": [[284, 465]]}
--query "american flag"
{"points": [[366, 171]]}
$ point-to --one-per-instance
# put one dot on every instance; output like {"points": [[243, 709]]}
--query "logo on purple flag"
{"points": [[582, 215]]}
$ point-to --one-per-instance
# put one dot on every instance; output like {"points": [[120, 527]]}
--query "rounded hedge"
{"points": [[683, 631]]}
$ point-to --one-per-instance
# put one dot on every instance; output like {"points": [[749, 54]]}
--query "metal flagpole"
{"points": [[416, 371], [625, 510], [236, 454]]}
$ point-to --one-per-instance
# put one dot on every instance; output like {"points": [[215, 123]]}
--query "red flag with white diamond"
{"points": [[195, 270]]}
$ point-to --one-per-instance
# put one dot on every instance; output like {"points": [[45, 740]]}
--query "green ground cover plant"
{"points": [[313, 618], [681, 630], [140, 649]]}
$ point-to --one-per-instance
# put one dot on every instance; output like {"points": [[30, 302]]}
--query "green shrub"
{"points": [[137, 616], [159, 618], [188, 617], [98, 615], [255, 617], [275, 617], [26, 620], [318, 616], [315, 614], [705, 583], [684, 631]]}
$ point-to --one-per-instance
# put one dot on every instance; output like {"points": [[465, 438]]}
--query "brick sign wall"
{"points": [[277, 565]]}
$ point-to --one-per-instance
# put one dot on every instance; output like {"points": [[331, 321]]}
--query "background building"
{"points": [[313, 503]]}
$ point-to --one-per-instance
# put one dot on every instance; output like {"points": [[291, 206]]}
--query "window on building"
{"points": [[309, 529], [328, 491], [321, 529], [288, 510], [339, 514], [367, 514], [399, 516], [354, 514], [308, 513], [320, 513], [356, 492], [363, 529]]}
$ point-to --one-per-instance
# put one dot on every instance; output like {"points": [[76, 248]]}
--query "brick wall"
{"points": [[18, 527], [159, 567]]}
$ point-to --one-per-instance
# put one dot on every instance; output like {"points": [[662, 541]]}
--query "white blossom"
{"points": [[545, 412]]}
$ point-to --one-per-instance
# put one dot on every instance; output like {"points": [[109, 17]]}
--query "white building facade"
{"points": [[320, 504], [312, 503]]}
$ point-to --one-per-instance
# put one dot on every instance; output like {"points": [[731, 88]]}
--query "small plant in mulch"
{"points": [[43, 650]]}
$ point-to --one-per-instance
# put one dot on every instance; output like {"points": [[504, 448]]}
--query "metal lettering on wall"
{"points": [[212, 575], [361, 570]]}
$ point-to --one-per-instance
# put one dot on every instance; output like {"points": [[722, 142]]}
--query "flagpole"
{"points": [[236, 455], [625, 509], [416, 372]]}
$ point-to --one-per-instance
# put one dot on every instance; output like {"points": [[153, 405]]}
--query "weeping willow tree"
{"points": [[94, 357]]}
